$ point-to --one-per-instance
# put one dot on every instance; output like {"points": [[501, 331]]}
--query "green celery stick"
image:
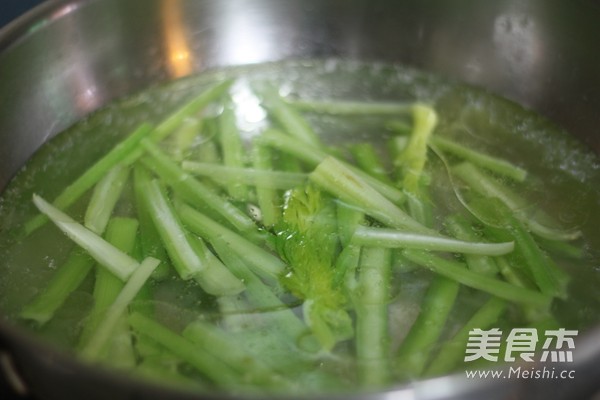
{"points": [[366, 157], [175, 239], [268, 202], [104, 198], [233, 150], [261, 261], [342, 182], [117, 309], [314, 156], [455, 271], [259, 177], [497, 165], [390, 238], [205, 363], [415, 350], [453, 350], [103, 252], [371, 304], [92, 175], [194, 190], [344, 107]]}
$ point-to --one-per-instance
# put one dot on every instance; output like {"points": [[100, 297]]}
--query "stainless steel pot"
{"points": [[69, 57]]}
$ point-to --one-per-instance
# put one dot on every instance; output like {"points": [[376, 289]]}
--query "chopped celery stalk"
{"points": [[497, 165], [260, 295], [150, 242], [342, 108], [234, 353], [261, 261], [121, 233], [205, 363], [268, 202], [184, 137], [456, 271], [127, 151], [287, 117], [415, 350], [460, 227], [116, 310], [548, 277], [453, 350], [487, 186], [261, 178], [103, 252], [233, 150], [195, 105], [215, 278], [334, 177], [66, 279], [412, 159], [92, 175], [314, 156], [174, 237], [367, 158], [390, 238], [348, 219], [193, 189], [371, 303], [105, 197]]}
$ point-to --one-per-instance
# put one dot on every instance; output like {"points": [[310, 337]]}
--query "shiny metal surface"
{"points": [[68, 58]]}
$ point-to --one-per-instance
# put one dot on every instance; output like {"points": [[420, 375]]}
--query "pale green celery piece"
{"points": [[92, 175], [494, 164], [348, 219], [419, 206], [346, 267], [215, 278], [194, 106], [562, 249], [66, 279], [268, 201], [461, 228], [103, 252], [118, 308], [452, 351], [402, 129], [210, 366], [314, 156], [121, 233], [104, 198], [372, 330], [195, 191], [548, 277], [175, 238], [415, 350], [184, 137], [233, 353], [128, 151], [150, 242], [261, 261], [261, 296], [337, 179], [412, 160], [512, 275], [390, 238], [488, 186], [261, 178], [344, 107], [287, 117], [455, 271], [236, 314], [233, 150], [366, 157]]}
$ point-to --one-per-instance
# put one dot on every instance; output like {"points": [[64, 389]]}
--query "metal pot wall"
{"points": [[66, 59]]}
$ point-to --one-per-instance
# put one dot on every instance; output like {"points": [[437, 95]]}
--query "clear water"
{"points": [[564, 181]]}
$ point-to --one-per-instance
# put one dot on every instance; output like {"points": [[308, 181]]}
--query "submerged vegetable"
{"points": [[335, 245]]}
